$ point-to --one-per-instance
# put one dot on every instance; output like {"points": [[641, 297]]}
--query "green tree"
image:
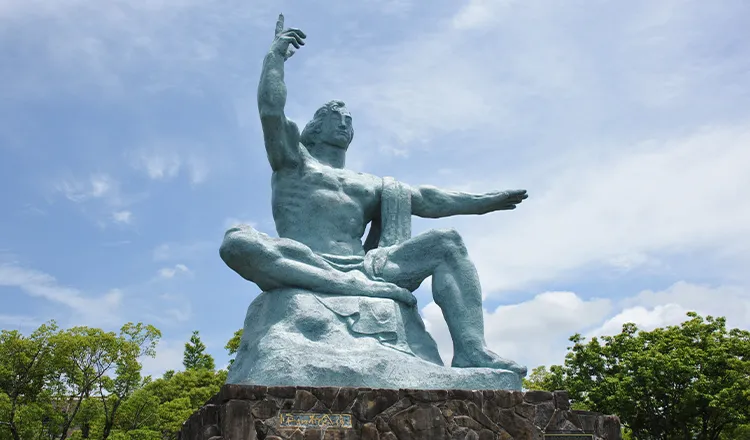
{"points": [[195, 357], [233, 345], [181, 394], [100, 365], [689, 381], [27, 364], [135, 341], [739, 432], [140, 412], [542, 379]]}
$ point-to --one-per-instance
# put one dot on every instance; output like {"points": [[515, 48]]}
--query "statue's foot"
{"points": [[484, 358]]}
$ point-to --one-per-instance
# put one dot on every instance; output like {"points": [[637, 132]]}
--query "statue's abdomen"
{"points": [[321, 216]]}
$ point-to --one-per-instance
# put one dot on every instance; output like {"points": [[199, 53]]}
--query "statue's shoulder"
{"points": [[375, 182]]}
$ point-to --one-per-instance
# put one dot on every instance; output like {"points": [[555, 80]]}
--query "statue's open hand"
{"points": [[505, 200], [285, 37]]}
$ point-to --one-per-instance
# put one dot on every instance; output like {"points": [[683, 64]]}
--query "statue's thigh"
{"points": [[410, 262]]}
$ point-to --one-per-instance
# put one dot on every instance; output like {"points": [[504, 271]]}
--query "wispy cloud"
{"points": [[179, 314], [19, 321], [165, 163], [103, 309], [479, 13], [234, 221], [170, 272], [174, 310], [124, 47], [646, 201], [124, 217], [100, 197], [193, 250], [95, 187], [159, 165]]}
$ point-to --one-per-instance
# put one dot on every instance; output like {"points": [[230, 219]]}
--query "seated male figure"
{"points": [[321, 211]]}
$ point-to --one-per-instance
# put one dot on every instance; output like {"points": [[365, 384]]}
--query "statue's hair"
{"points": [[313, 128]]}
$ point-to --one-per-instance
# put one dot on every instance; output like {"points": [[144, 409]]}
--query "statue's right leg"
{"points": [[272, 263]]}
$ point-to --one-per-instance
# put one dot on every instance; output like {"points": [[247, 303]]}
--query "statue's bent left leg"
{"points": [[272, 263], [455, 288]]}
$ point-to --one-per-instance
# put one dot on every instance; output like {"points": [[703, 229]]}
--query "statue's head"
{"points": [[331, 124]]}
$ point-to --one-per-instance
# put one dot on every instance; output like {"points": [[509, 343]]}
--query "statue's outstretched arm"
{"points": [[281, 135], [431, 202]]}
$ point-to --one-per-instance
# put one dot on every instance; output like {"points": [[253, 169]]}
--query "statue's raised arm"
{"points": [[281, 135]]}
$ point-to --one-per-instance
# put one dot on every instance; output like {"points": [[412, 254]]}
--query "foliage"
{"points": [[687, 381], [195, 357], [542, 379], [233, 345], [739, 432], [27, 366], [690, 381], [60, 384]]}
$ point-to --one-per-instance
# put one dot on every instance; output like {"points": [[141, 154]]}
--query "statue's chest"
{"points": [[354, 185]]}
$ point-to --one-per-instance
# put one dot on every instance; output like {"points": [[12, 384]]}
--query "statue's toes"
{"points": [[488, 359], [505, 364], [520, 369]]}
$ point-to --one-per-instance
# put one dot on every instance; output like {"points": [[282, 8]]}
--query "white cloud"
{"points": [[160, 165], [181, 314], [649, 309], [95, 187], [174, 309], [536, 332], [649, 200], [18, 321], [102, 310], [127, 47], [170, 272], [197, 169], [234, 221], [479, 13], [165, 163], [124, 217], [99, 197]]}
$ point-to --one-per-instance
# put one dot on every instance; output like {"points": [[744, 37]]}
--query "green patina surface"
{"points": [[321, 211]]}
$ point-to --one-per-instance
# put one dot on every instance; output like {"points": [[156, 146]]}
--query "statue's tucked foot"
{"points": [[484, 358]]}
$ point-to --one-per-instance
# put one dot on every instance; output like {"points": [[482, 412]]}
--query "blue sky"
{"points": [[129, 141]]}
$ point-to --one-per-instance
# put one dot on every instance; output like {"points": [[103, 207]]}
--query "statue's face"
{"points": [[336, 128]]}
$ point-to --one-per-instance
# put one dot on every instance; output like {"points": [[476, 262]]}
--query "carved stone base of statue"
{"points": [[294, 336], [240, 412]]}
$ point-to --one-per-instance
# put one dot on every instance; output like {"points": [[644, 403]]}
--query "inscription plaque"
{"points": [[568, 436], [314, 420]]}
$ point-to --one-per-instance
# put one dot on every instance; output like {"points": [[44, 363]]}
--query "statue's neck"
{"points": [[333, 156]]}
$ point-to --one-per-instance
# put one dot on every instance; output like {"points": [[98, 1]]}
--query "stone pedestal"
{"points": [[247, 412]]}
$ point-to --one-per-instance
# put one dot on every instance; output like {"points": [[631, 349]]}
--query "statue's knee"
{"points": [[451, 242], [240, 242]]}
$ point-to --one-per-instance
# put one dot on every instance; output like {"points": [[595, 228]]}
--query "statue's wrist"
{"points": [[274, 53]]}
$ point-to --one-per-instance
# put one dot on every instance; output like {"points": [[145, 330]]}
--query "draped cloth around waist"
{"points": [[378, 317]]}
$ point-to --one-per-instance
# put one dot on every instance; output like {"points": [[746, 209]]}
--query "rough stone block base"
{"points": [[246, 412]]}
